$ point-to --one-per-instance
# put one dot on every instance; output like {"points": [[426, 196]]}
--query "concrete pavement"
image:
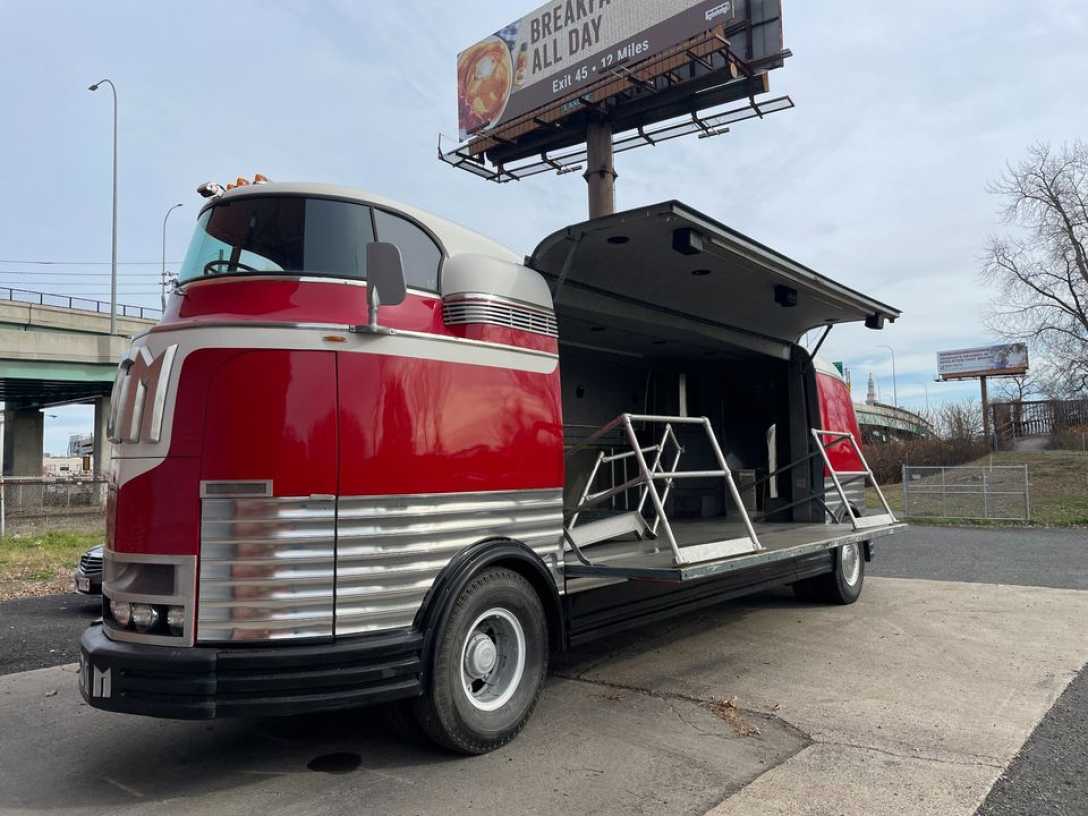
{"points": [[910, 702]]}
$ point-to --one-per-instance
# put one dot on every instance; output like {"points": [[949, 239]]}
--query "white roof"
{"points": [[825, 366], [456, 240]]}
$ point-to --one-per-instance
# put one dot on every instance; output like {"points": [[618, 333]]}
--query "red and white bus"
{"points": [[369, 455]]}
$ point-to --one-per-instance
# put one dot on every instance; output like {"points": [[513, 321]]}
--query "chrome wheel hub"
{"points": [[481, 655], [493, 659], [851, 563]]}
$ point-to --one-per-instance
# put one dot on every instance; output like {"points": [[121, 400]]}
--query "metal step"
{"points": [[868, 522], [594, 532], [699, 553]]}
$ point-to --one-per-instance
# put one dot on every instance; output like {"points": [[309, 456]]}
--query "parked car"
{"points": [[88, 577]]}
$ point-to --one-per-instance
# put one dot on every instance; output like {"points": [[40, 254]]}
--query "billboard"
{"points": [[991, 361], [565, 45]]}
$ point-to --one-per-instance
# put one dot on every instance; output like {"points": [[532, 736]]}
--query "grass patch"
{"points": [[1059, 491], [41, 562]]}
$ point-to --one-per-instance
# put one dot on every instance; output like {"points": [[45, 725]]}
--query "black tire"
{"points": [[842, 585], [447, 712]]}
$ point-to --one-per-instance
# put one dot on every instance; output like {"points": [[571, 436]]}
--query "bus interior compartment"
{"points": [[678, 346], [689, 404]]}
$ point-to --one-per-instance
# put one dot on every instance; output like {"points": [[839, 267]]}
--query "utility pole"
{"points": [[895, 379], [113, 264], [162, 280]]}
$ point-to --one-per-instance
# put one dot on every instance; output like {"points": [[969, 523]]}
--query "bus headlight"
{"points": [[122, 613], [175, 619], [144, 617]]}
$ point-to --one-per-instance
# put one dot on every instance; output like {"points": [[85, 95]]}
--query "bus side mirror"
{"points": [[385, 284]]}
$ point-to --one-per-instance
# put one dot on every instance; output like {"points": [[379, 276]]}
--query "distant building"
{"points": [[62, 466], [81, 445]]}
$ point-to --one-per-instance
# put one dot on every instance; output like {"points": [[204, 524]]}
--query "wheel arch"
{"points": [[490, 552]]}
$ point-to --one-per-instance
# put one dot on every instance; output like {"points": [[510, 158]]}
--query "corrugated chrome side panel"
{"points": [[267, 569], [391, 548], [855, 493], [284, 568]]}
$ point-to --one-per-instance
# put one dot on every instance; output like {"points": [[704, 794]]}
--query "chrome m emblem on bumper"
{"points": [[139, 395]]}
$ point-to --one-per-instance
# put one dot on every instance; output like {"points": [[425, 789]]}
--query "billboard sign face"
{"points": [[991, 361], [566, 44]]}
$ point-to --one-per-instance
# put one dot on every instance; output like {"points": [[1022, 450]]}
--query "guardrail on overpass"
{"points": [[79, 303]]}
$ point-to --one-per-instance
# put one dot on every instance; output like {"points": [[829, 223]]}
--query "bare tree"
{"points": [[1041, 269], [1019, 389]]}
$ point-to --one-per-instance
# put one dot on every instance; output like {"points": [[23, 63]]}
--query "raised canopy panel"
{"points": [[674, 259]]}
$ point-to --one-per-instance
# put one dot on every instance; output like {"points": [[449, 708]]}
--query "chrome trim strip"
{"points": [[154, 433], [249, 277], [437, 338]]}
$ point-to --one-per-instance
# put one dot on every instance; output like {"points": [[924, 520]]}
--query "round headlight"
{"points": [[175, 619], [122, 612], [144, 616]]}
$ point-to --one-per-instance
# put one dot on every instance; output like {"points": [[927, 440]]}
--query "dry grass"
{"points": [[39, 559], [1059, 488]]}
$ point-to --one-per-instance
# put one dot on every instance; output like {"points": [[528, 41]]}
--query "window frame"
{"points": [[443, 255]]}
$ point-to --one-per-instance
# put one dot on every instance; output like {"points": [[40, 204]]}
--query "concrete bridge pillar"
{"points": [[103, 450], [24, 432]]}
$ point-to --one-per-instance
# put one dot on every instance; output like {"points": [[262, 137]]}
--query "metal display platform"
{"points": [[640, 559], [645, 543]]}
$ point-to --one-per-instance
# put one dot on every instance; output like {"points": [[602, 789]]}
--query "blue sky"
{"points": [[877, 179]]}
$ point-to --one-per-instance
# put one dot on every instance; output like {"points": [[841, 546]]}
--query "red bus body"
{"points": [[295, 497]]}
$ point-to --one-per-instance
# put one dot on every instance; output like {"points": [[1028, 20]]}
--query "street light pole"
{"points": [[113, 264], [162, 282], [895, 384]]}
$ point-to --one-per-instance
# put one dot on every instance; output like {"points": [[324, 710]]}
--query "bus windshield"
{"points": [[263, 235]]}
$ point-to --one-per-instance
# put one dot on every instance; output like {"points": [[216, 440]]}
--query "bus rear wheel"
{"points": [[490, 661], [843, 584]]}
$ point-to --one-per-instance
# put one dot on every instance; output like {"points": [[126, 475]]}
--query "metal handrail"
{"points": [[650, 475], [68, 302]]}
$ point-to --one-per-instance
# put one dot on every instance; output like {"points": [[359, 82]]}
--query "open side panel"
{"points": [[679, 262]]}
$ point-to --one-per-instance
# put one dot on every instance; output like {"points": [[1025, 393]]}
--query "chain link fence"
{"points": [[39, 498], [998, 493]]}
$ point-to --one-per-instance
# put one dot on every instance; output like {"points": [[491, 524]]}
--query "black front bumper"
{"points": [[202, 682]]}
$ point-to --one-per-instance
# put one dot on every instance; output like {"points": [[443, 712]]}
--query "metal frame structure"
{"points": [[574, 159], [647, 479], [650, 473]]}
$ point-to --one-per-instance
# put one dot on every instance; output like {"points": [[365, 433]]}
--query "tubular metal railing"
{"points": [[76, 303]]}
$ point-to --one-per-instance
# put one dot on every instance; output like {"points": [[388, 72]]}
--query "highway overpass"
{"points": [[57, 351]]}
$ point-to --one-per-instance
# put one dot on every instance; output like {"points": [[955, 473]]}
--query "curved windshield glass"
{"points": [[280, 234]]}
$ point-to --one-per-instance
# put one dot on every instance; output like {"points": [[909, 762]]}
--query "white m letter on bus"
{"points": [[139, 396]]}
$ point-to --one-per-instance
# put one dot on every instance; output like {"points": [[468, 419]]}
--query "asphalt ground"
{"points": [[636, 724], [1049, 776], [1021, 557], [40, 632]]}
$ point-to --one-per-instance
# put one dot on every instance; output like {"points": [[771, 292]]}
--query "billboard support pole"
{"points": [[600, 172], [985, 410]]}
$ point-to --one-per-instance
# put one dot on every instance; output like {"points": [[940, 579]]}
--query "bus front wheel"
{"points": [[490, 661]]}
